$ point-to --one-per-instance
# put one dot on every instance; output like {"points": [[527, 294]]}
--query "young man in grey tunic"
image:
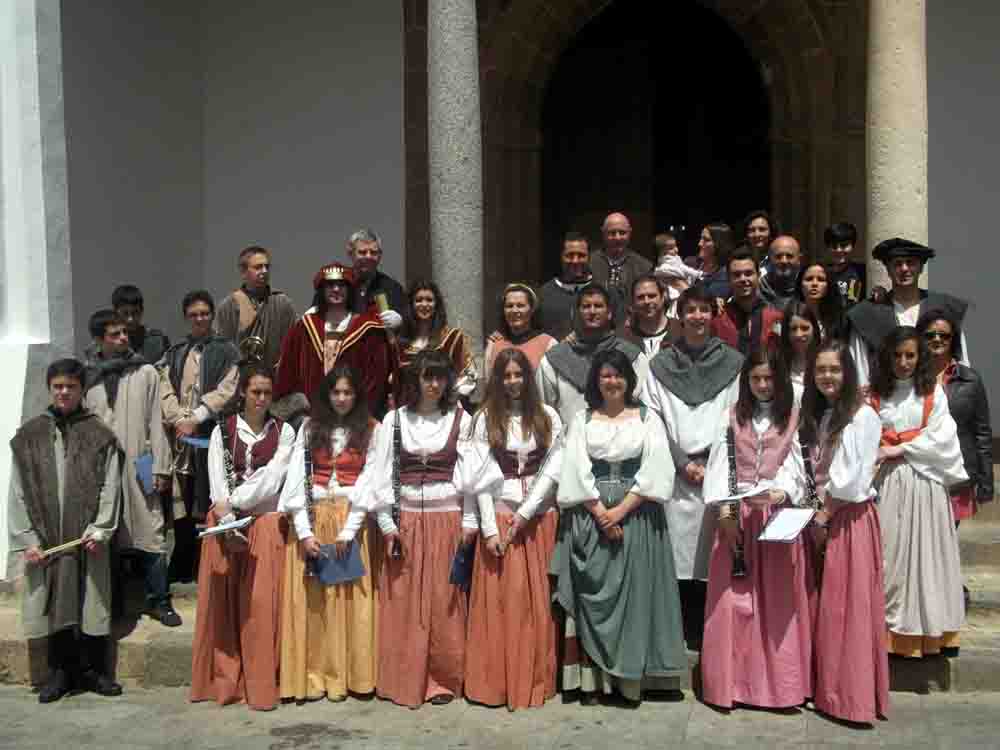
{"points": [[65, 489], [123, 389]]}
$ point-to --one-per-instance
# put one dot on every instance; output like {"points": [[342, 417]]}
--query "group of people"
{"points": [[381, 514]]}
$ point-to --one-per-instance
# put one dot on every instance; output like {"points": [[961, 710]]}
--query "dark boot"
{"points": [[61, 655], [95, 677]]}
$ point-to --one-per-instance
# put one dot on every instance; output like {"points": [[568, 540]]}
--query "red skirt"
{"points": [[512, 659], [237, 633], [963, 503], [422, 617]]}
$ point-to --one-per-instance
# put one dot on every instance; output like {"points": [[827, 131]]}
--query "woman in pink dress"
{"points": [[758, 626], [852, 663]]}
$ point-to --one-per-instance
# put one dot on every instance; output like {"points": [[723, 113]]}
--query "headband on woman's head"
{"points": [[517, 286]]}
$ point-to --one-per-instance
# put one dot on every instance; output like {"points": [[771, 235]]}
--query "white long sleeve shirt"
{"points": [[513, 491], [259, 492]]}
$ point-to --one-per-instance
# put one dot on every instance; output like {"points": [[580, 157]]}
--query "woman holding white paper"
{"points": [[852, 666], [758, 626], [328, 632], [236, 651]]}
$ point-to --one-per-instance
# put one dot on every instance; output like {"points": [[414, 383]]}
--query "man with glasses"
{"points": [[198, 377], [871, 321]]}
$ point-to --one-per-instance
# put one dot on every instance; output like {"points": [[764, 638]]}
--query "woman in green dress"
{"points": [[613, 562]]}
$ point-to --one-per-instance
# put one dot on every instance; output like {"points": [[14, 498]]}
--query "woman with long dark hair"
{"points": [[969, 408], [425, 328], [758, 626], [613, 561], [816, 291], [236, 647], [843, 433], [425, 465], [328, 632], [716, 244], [800, 335], [920, 458], [510, 612]]}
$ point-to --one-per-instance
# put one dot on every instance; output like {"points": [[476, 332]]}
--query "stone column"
{"points": [[455, 148], [897, 125]]}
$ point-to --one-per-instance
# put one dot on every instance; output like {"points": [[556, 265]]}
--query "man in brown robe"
{"points": [[256, 317], [65, 489]]}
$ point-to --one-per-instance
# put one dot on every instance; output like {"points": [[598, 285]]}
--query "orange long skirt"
{"points": [[328, 644], [422, 617], [512, 656], [237, 632]]}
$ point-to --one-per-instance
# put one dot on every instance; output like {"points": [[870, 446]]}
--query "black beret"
{"points": [[900, 248]]}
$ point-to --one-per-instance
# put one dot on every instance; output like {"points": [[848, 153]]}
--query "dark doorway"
{"points": [[657, 110]]}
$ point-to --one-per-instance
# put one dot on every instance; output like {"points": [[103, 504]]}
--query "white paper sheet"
{"points": [[757, 489], [786, 525], [222, 528]]}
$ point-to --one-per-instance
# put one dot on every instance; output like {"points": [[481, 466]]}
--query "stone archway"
{"points": [[812, 57]]}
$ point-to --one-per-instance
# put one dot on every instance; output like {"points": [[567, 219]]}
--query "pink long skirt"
{"points": [[852, 664], [758, 629], [421, 616]]}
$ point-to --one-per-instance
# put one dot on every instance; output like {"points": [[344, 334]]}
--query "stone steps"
{"points": [[150, 655]]}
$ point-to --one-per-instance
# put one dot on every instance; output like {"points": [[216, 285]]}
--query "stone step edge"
{"points": [[165, 661]]}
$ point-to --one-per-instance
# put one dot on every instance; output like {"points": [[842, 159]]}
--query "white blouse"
{"points": [[791, 476], [293, 494], [513, 490], [852, 468], [936, 453], [424, 434], [259, 492], [615, 440]]}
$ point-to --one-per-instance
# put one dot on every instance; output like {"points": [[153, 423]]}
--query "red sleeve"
{"points": [[288, 365]]}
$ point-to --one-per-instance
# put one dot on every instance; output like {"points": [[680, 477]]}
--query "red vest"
{"points": [[435, 467], [262, 451], [772, 448]]}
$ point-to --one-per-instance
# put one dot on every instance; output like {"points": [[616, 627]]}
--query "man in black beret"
{"points": [[872, 321]]}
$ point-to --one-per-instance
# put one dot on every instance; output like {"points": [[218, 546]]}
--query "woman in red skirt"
{"points": [[852, 663], [510, 613]]}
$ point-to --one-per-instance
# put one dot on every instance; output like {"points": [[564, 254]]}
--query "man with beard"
{"points": [[562, 373], [124, 391], [650, 328], [777, 284], [616, 265], [198, 378], [692, 384], [557, 297], [746, 320], [871, 321], [256, 317], [64, 491]]}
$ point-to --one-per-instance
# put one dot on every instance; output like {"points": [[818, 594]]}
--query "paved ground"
{"points": [[161, 719]]}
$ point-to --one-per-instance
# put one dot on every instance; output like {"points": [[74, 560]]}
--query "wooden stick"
{"points": [[62, 547]]}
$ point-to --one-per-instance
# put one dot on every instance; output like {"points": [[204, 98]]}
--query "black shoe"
{"points": [[166, 614], [55, 687], [442, 700], [99, 683], [589, 699]]}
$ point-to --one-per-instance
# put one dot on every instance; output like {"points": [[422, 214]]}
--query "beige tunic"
{"points": [[96, 614], [137, 422]]}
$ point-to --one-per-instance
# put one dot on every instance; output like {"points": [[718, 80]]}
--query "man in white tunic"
{"points": [[691, 385], [65, 496], [562, 373], [124, 391]]}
